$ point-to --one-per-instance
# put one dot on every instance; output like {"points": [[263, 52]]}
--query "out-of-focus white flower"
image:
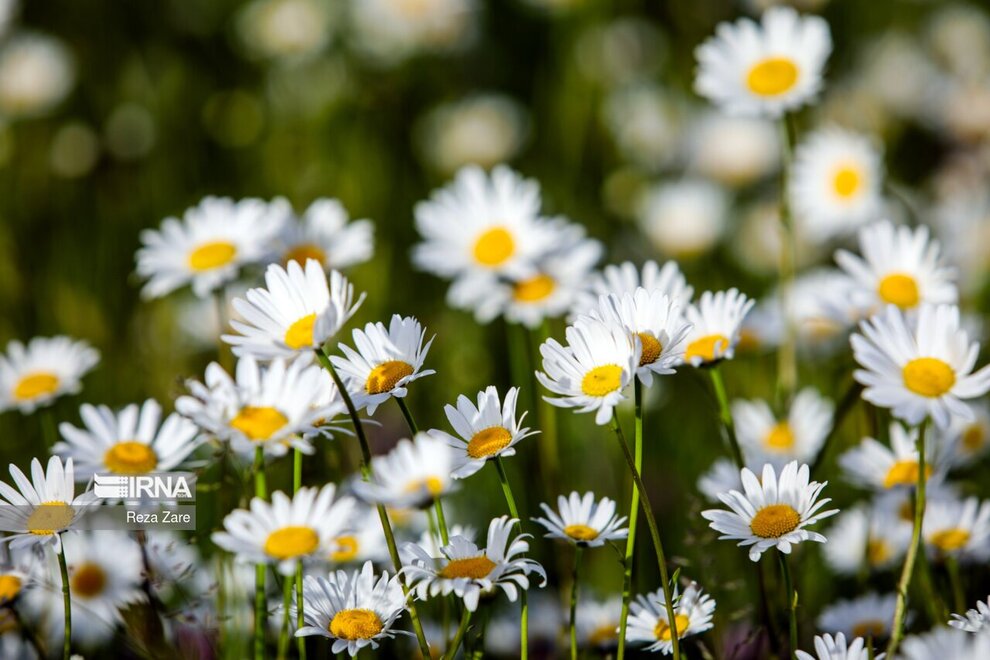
{"points": [[897, 72], [686, 218], [624, 50], [284, 28], [969, 439], [959, 37], [734, 151], [961, 220], [869, 615], [392, 30], [643, 122], [872, 537], [798, 436], [35, 375], [36, 74]]}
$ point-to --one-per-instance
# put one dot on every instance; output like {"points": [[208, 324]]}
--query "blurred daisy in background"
{"points": [[765, 68], [715, 322], [873, 465], [969, 439], [386, 360], [583, 521], [323, 232], [627, 278], [734, 151], [975, 620], [835, 183], [958, 528], [798, 437], [431, 542], [867, 616], [862, 536], [597, 623], [207, 247], [42, 508], [649, 625], [543, 631], [684, 219], [36, 74], [721, 477], [362, 541], [35, 375], [920, 369], [944, 642], [771, 512], [389, 31], [132, 441], [836, 648], [287, 30], [413, 475], [19, 571], [961, 220], [285, 531], [643, 120]]}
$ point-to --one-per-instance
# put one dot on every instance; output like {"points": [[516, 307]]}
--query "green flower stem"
{"points": [[958, 594], [633, 521], [66, 601], [407, 414], [792, 602], [725, 415], [574, 601], [393, 549], [514, 512], [459, 637], [297, 461], [260, 490], [651, 522], [900, 610], [437, 504], [283, 635]]}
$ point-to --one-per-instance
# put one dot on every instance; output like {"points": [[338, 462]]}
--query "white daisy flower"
{"points": [[18, 572], [430, 542], [958, 528], [648, 623], [721, 477], [131, 441], [42, 508], [715, 324], [583, 521], [208, 247], [655, 322], [871, 464], [362, 541], [871, 537], [296, 311], [322, 233], [866, 616], [684, 219], [590, 373], [771, 513], [946, 643], [920, 369], [414, 474], [626, 278], [598, 622], [386, 360], [735, 151], [485, 431], [798, 437], [286, 531], [829, 648], [352, 608], [974, 620], [835, 183], [273, 407], [899, 266], [764, 69], [467, 571], [969, 440], [33, 376]]}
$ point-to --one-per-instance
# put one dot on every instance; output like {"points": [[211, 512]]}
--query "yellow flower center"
{"points": [[534, 289], [904, 473], [494, 247], [772, 76], [663, 631], [602, 380], [347, 549], [355, 624], [432, 485], [49, 518], [304, 252], [874, 628], [474, 568], [929, 377], [488, 442], [651, 348], [212, 255], [706, 347], [847, 181], [88, 580], [973, 438], [780, 438], [774, 521], [877, 552], [130, 457], [259, 422], [899, 289], [386, 376], [604, 635], [581, 532], [300, 333], [291, 541], [10, 586], [949, 540], [32, 386]]}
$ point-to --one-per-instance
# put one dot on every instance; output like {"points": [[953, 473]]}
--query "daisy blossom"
{"points": [[649, 625], [626, 278], [42, 508], [414, 474], [35, 375], [868, 616], [799, 436], [322, 233], [835, 648], [873, 465], [975, 620], [583, 521], [715, 322]]}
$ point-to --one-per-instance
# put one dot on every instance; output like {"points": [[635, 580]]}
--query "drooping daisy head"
{"points": [[583, 521], [322, 233], [836, 181], [771, 512], [296, 311], [352, 608], [484, 431], [591, 372], [207, 247], [35, 375], [798, 436], [132, 441], [919, 367], [654, 322], [598, 623], [649, 624], [414, 474], [975, 620], [899, 266], [868, 616], [871, 464], [957, 528], [836, 648], [871, 537], [627, 278], [287, 531], [715, 321], [765, 68], [386, 360], [467, 571]]}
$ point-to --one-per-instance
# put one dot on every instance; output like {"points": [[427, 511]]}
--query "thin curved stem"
{"points": [[459, 636], [792, 600], [300, 621], [630, 555], [410, 422], [725, 416], [651, 522], [574, 601], [437, 504], [510, 501], [260, 606], [958, 594], [283, 635], [66, 601]]}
